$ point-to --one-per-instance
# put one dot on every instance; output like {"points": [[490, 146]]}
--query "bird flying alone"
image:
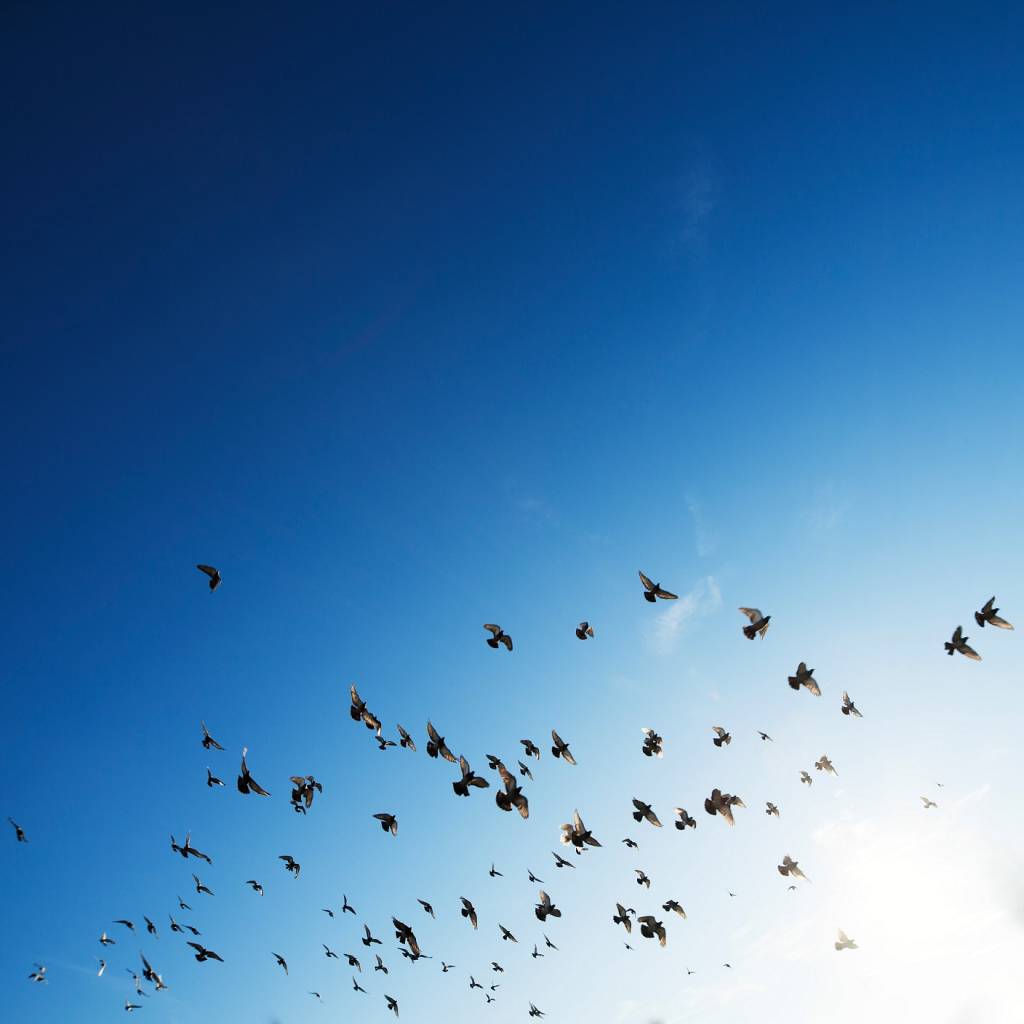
{"points": [[790, 868], [652, 591], [584, 631], [848, 707], [213, 573], [685, 821], [805, 677], [989, 615], [721, 736], [498, 636], [758, 623], [845, 942], [388, 822], [559, 748], [246, 783]]}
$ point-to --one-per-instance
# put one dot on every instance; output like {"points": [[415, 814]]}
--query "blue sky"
{"points": [[411, 320]]}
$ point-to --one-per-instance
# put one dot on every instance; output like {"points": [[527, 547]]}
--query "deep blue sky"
{"points": [[412, 319]]}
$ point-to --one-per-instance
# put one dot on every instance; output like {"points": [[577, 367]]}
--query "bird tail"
{"points": [[949, 648], [637, 815], [749, 632], [979, 619], [491, 642], [461, 789], [717, 741]]}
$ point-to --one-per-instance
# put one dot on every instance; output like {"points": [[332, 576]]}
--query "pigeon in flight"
{"points": [[549, 943], [621, 916], [405, 935], [631, 844], [127, 924], [845, 942], [532, 750], [436, 746], [256, 887], [214, 575], [106, 940], [175, 927], [317, 996], [346, 907], [536, 954], [673, 907], [685, 821], [758, 623], [495, 873], [426, 906], [584, 630], [805, 677], [577, 834], [644, 812], [512, 796], [392, 1003], [823, 764], [103, 967], [182, 905], [290, 864], [498, 636], [19, 832], [560, 748], [650, 928], [468, 911], [281, 962], [789, 868], [928, 803], [129, 1006], [765, 736], [958, 642], [208, 741], [368, 940], [203, 954], [406, 741], [445, 968], [721, 736], [652, 591], [534, 1012], [473, 983], [302, 794], [328, 952], [641, 878], [494, 763], [524, 770], [200, 888], [353, 961], [533, 877], [151, 975], [654, 745], [188, 850], [211, 779], [561, 862], [246, 783], [722, 803], [496, 967], [150, 927], [989, 614], [388, 822], [804, 777], [849, 708], [356, 987], [506, 935], [772, 809], [359, 712], [380, 965], [469, 778], [546, 908]]}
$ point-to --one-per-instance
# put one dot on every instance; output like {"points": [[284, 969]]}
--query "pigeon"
{"points": [[804, 777], [436, 746], [290, 864], [246, 783], [524, 770], [772, 809], [103, 967], [789, 868], [584, 630], [406, 741], [380, 965], [302, 794], [989, 614], [151, 975], [721, 736], [560, 748], [758, 623], [561, 862], [928, 803], [328, 912], [533, 877], [534, 1012], [359, 712], [182, 905], [473, 983], [654, 745], [388, 822], [849, 708], [214, 575], [845, 942], [368, 940], [641, 878], [644, 812], [549, 943], [685, 821], [382, 744], [281, 962], [426, 906], [805, 677], [353, 961], [495, 873], [494, 763], [129, 1006], [317, 996], [536, 954], [346, 907], [106, 940], [445, 968], [405, 935], [203, 954], [765, 736], [650, 928], [175, 927], [958, 642], [652, 591], [577, 834], [211, 779], [208, 741], [546, 908], [823, 764], [468, 911], [200, 888], [631, 844], [256, 887], [722, 803], [194, 931], [469, 778], [488, 997], [127, 924], [328, 952], [498, 636], [532, 750], [188, 850], [19, 832], [512, 796], [506, 935], [392, 1003], [150, 927], [356, 987], [622, 917], [673, 907], [496, 967]]}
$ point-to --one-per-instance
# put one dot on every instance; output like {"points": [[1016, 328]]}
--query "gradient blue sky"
{"points": [[413, 319]]}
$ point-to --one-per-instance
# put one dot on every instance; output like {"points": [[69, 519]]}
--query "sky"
{"points": [[414, 318]]}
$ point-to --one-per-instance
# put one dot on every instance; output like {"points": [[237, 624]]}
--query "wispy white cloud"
{"points": [[668, 626]]}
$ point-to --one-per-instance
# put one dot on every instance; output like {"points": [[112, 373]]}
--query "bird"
{"points": [[506, 935], [436, 746], [532, 750], [304, 788], [281, 962], [758, 623], [392, 1003], [498, 636], [536, 954], [405, 935], [652, 591], [849, 708], [805, 677], [494, 873], [653, 745], [473, 983], [106, 940], [512, 795], [685, 821], [524, 770], [630, 844], [673, 907], [19, 832], [561, 862], [722, 803], [533, 877], [211, 779], [129, 1006], [182, 905], [359, 712], [208, 741], [468, 911], [621, 916], [823, 764], [496, 967], [194, 931], [772, 809], [644, 812], [256, 887], [928, 803], [328, 912], [406, 741], [958, 642], [103, 967], [689, 972], [150, 974], [641, 878], [39, 974], [534, 1012], [317, 996], [353, 961], [548, 943], [546, 908], [246, 783], [368, 940], [721, 736], [790, 888], [845, 942], [804, 777], [127, 924], [560, 748], [188, 850], [445, 968], [426, 906], [356, 987], [346, 907], [584, 630], [650, 928], [380, 965], [328, 952], [200, 888], [150, 927], [488, 997], [789, 868], [382, 744], [765, 736], [577, 834], [469, 778], [203, 954], [388, 822], [137, 982], [213, 573], [989, 614], [175, 927]]}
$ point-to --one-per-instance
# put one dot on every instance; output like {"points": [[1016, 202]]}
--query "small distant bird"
{"points": [[561, 862], [151, 975], [494, 873], [328, 952], [256, 887], [317, 996], [989, 614], [496, 967], [546, 908], [353, 961], [631, 844], [175, 927], [845, 942], [356, 987], [211, 779], [650, 928], [772, 809], [958, 642], [388, 822], [765, 736], [524, 770], [368, 940], [804, 777], [39, 974], [304, 788], [560, 748], [150, 927], [382, 744], [406, 741], [426, 906], [188, 850], [498, 636], [536, 954], [19, 832], [328, 912], [549, 943], [194, 931], [722, 803], [789, 867], [653, 745], [621, 916], [823, 764], [494, 762], [359, 712], [689, 972], [106, 940], [346, 907], [532, 750], [805, 677], [281, 962], [488, 997], [849, 708], [533, 877], [506, 935], [641, 878], [182, 905], [246, 783], [790, 888], [577, 834], [200, 888], [392, 1003], [445, 968], [380, 965], [103, 967], [534, 1012], [685, 821], [652, 591], [673, 907], [512, 795], [721, 736], [436, 746], [473, 983], [214, 575], [644, 812], [468, 911], [758, 623], [469, 778], [129, 1006], [208, 741], [290, 864], [127, 924], [203, 954], [584, 630], [928, 803]]}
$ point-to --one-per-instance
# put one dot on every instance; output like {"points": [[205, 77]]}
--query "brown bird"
{"points": [[804, 777], [758, 623], [560, 748], [849, 708], [406, 740], [789, 868], [208, 741], [653, 745], [823, 764], [722, 803], [498, 636], [532, 750], [652, 591], [188, 850], [641, 878], [721, 736], [644, 812], [958, 642], [388, 822], [469, 778], [405, 935], [546, 908], [512, 796], [772, 809], [304, 788], [584, 630], [805, 677], [468, 911], [436, 746], [650, 928], [673, 907], [622, 917], [246, 783], [577, 834], [989, 614], [359, 712], [214, 575]]}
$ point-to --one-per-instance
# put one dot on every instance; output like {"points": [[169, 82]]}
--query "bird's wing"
{"points": [[208, 569], [754, 614], [492, 628], [647, 582]]}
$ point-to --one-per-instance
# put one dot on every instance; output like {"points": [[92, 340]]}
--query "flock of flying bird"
{"points": [[509, 795]]}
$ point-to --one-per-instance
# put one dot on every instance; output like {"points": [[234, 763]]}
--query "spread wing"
{"points": [[754, 614], [647, 582]]}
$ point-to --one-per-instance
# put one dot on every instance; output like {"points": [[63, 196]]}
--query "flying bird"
{"points": [[584, 630], [356, 987], [524, 770], [673, 907], [304, 787], [19, 832], [644, 812], [405, 935], [536, 954], [150, 927], [129, 1006], [685, 821], [328, 952], [214, 575], [533, 877], [534, 1012], [928, 803], [561, 862], [150, 974], [849, 708], [426, 906], [469, 778], [512, 796], [468, 911], [989, 614], [406, 741], [823, 764], [650, 928], [653, 745], [103, 967], [380, 965], [652, 591], [281, 962], [641, 878], [208, 741], [546, 908], [290, 864], [346, 907], [388, 822], [722, 803], [353, 961], [182, 905], [845, 942], [805, 677], [200, 888], [106, 940], [532, 750], [765, 736], [256, 887], [506, 935], [721, 736], [495, 873], [549, 943], [359, 712], [246, 783], [203, 954], [772, 809], [368, 940], [621, 916], [560, 748], [577, 834], [758, 623], [188, 850], [631, 844], [211, 779], [392, 1003], [498, 636], [436, 746], [958, 642], [789, 868], [804, 777], [496, 967]]}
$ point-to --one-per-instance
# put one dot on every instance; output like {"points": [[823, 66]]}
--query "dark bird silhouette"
{"points": [[353, 961], [246, 783], [512, 795], [496, 967], [468, 911], [771, 809], [426, 906], [211, 779], [673, 907], [577, 834], [200, 888], [494, 763], [214, 575], [383, 744], [990, 615], [721, 736], [39, 974], [388, 822], [406, 741], [182, 905], [304, 787], [546, 908], [405, 935], [188, 850], [368, 940], [473, 983], [469, 778], [622, 917], [19, 832], [584, 630], [631, 844], [380, 965], [328, 952], [208, 741], [758, 623], [150, 974], [549, 943], [652, 591], [290, 864], [805, 778], [722, 803], [346, 907], [685, 821], [175, 927], [281, 962], [533, 877], [150, 927], [317, 996], [653, 745], [106, 940], [126, 923], [129, 1006], [498, 636], [650, 929], [506, 935], [641, 878], [495, 873], [958, 642], [356, 987], [849, 708], [203, 954], [255, 886], [436, 746], [194, 931], [534, 1012], [790, 868], [328, 912], [359, 712], [765, 736], [392, 1003], [644, 812], [805, 677], [536, 955], [532, 750], [561, 862], [524, 770], [559, 748]]}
